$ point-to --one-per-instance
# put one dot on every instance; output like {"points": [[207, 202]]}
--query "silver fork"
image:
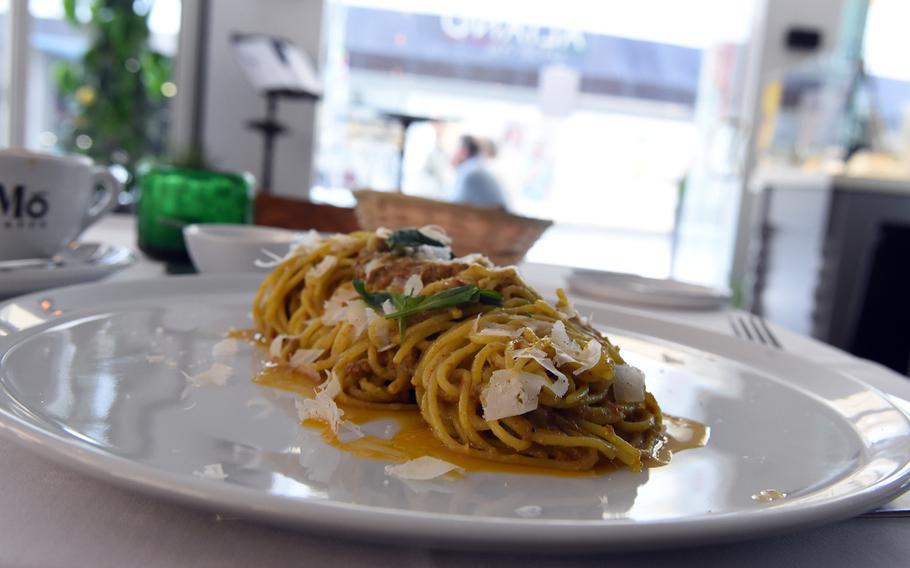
{"points": [[751, 327]]}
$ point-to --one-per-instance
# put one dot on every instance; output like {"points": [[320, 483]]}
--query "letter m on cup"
{"points": [[13, 201]]}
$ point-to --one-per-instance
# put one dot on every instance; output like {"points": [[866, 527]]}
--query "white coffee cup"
{"points": [[46, 201]]}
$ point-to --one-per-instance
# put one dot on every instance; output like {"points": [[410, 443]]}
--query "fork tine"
{"points": [[759, 334], [740, 329], [761, 325]]}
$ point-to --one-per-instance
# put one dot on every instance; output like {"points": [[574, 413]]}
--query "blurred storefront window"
{"points": [[590, 107]]}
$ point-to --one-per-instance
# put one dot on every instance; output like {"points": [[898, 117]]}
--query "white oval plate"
{"points": [[93, 377], [621, 288]]}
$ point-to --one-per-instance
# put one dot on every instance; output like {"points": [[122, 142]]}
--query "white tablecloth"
{"points": [[50, 516]]}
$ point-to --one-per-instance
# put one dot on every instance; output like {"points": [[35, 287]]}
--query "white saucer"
{"points": [[620, 288], [79, 262]]}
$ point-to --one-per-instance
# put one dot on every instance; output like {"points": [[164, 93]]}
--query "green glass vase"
{"points": [[171, 198]]}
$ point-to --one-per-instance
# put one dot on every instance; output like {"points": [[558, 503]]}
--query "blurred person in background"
{"points": [[474, 183]]}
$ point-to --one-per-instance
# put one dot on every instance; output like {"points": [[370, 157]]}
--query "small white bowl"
{"points": [[219, 248]]}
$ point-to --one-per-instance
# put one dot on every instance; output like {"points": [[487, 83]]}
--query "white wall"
{"points": [[230, 101]]}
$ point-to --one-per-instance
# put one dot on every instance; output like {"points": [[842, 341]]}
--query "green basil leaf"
{"points": [[374, 299], [410, 238], [406, 306]]}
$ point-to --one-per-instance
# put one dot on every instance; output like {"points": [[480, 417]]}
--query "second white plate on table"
{"points": [[621, 288]]}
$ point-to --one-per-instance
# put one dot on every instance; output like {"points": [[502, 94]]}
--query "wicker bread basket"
{"points": [[503, 237]]}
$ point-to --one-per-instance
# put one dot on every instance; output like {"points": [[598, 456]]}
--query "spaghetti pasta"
{"points": [[496, 371]]}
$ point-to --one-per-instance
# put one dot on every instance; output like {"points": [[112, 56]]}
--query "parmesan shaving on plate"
{"points": [[388, 308], [628, 383], [383, 335], [273, 261], [433, 254], [276, 345], [225, 349], [436, 233], [561, 339], [510, 393], [346, 305], [421, 469], [560, 386], [327, 263], [339, 298], [212, 471], [323, 407], [568, 351], [589, 357], [372, 265], [303, 359], [302, 244], [412, 286], [499, 330], [216, 375]]}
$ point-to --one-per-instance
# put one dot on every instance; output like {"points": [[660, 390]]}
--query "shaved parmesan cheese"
{"points": [[421, 469], [561, 339], [341, 243], [436, 233], [346, 305], [589, 357], [383, 335], [332, 387], [561, 385], [433, 254], [510, 393], [372, 265], [339, 299], [320, 408], [473, 258], [326, 264], [388, 308], [305, 242], [413, 285], [225, 349], [475, 324], [359, 316], [303, 359], [383, 232], [212, 471], [323, 407], [273, 261], [216, 375], [500, 330], [568, 351], [276, 345], [540, 327], [302, 244], [628, 383]]}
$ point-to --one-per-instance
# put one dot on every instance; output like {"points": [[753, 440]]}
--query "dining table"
{"points": [[51, 515]]}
